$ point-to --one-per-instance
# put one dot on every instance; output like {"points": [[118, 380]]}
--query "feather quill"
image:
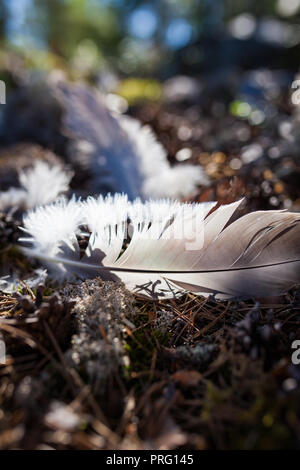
{"points": [[162, 249]]}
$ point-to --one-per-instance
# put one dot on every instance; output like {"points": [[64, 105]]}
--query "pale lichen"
{"points": [[103, 312]]}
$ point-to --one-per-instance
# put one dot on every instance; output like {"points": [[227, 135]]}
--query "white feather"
{"points": [[40, 185], [54, 228], [159, 178], [122, 154], [13, 198], [173, 247], [44, 183]]}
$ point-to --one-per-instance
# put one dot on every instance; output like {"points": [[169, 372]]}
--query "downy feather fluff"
{"points": [[41, 184], [171, 247], [123, 155], [159, 178]]}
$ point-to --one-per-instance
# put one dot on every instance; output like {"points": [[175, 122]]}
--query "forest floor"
{"points": [[91, 366]]}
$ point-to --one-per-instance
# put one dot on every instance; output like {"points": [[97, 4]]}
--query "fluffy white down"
{"points": [[113, 210], [52, 229], [50, 226], [40, 185], [13, 198], [44, 183], [160, 179]]}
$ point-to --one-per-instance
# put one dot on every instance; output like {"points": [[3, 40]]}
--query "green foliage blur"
{"points": [[134, 37]]}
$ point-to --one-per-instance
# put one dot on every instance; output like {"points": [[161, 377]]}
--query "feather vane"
{"points": [[161, 249]]}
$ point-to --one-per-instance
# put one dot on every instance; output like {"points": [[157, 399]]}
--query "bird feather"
{"points": [[161, 249], [122, 154], [41, 184]]}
